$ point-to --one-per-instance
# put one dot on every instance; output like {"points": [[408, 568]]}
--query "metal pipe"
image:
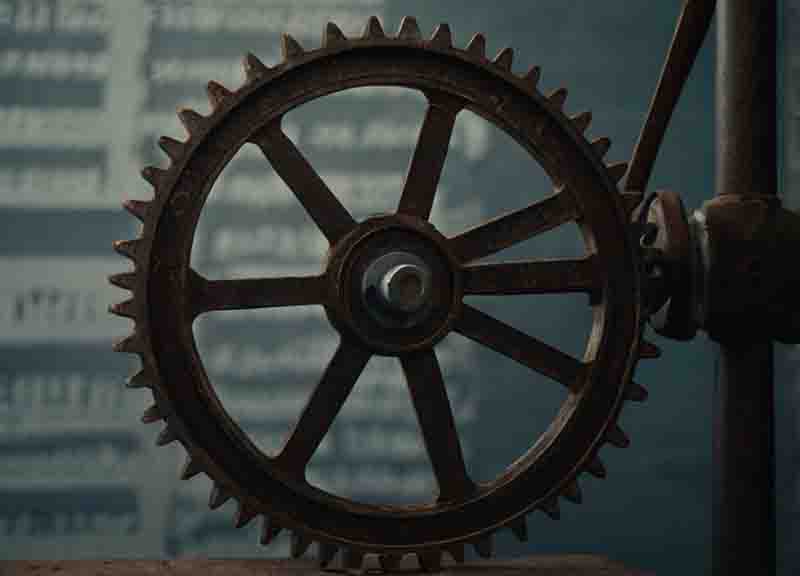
{"points": [[746, 163]]}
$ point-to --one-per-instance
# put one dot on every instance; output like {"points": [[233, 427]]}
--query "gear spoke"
{"points": [[322, 407], [538, 277], [328, 213], [214, 295], [521, 347], [429, 156], [435, 416], [515, 227]]}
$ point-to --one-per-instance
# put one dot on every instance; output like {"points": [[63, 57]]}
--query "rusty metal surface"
{"points": [[746, 155], [167, 295], [671, 265], [750, 240], [575, 565]]}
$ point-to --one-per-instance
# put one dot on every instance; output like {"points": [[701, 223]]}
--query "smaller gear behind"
{"points": [[393, 286]]}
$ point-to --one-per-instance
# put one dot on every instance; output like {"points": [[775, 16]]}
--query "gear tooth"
{"points": [[484, 546], [649, 350], [167, 436], [520, 529], [551, 508], [617, 171], [617, 437], [409, 29], [191, 120], [253, 67], [152, 414], [219, 495], [126, 309], [373, 28], [582, 121], [326, 552], [477, 46], [127, 248], [333, 36], [269, 529], [153, 175], [290, 47], [558, 98], [299, 544], [217, 94], [126, 280], [442, 37], [596, 468], [631, 201], [601, 146], [456, 552], [504, 59], [430, 560], [141, 379], [636, 393], [129, 345], [573, 493], [389, 562], [244, 514], [191, 468], [137, 208], [171, 147], [533, 76], [352, 558]]}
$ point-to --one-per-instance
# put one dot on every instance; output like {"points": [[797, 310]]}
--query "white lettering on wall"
{"points": [[302, 19], [59, 299], [54, 64], [67, 16], [44, 403], [55, 186]]}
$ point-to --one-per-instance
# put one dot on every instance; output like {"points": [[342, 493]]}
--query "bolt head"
{"points": [[405, 287]]}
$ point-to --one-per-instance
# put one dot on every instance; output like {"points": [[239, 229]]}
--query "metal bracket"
{"points": [[727, 269]]}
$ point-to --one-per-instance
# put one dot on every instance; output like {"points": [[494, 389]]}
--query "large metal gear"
{"points": [[393, 286]]}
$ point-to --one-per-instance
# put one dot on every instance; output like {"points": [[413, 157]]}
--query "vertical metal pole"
{"points": [[744, 483]]}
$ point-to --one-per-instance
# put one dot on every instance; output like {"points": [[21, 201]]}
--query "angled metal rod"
{"points": [[690, 33], [746, 163]]}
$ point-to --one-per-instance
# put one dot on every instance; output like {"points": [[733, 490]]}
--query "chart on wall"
{"points": [[86, 89]]}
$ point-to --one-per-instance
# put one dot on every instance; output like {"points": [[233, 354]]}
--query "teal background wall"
{"points": [[79, 475]]}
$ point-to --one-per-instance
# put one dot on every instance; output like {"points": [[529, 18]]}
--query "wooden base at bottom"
{"points": [[533, 566]]}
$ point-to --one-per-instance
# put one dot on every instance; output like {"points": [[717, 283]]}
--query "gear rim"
{"points": [[172, 275]]}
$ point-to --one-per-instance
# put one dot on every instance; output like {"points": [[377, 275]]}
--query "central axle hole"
{"points": [[403, 288], [396, 289]]}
